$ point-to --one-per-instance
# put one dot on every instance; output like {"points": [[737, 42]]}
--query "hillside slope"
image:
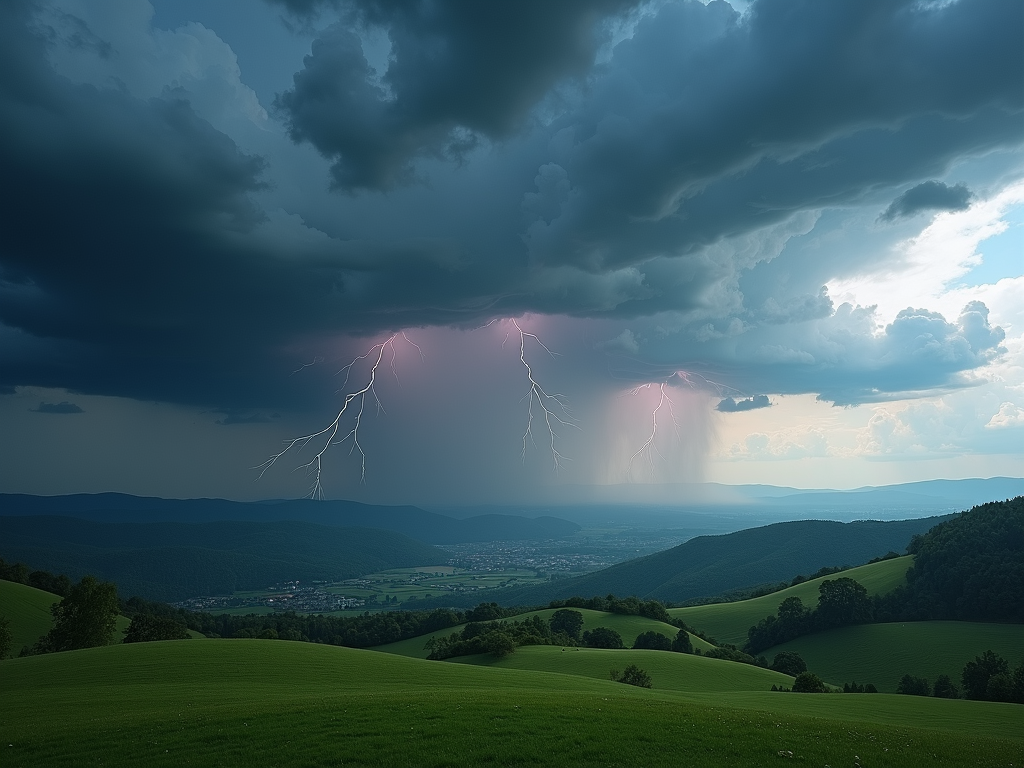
{"points": [[28, 609], [712, 565], [173, 561], [248, 702], [414, 522], [882, 653], [729, 622]]}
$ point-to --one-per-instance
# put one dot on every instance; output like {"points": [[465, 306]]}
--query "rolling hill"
{"points": [[729, 622], [28, 609], [882, 653], [413, 522], [173, 561], [248, 702]]}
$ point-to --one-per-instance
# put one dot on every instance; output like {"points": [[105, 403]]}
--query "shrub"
{"points": [[653, 641], [632, 675], [808, 682]]}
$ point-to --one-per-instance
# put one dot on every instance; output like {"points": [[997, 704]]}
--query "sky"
{"points": [[459, 252]]}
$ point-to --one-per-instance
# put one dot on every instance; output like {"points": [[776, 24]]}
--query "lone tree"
{"points": [[567, 621], [808, 682], [654, 641], [632, 675], [602, 637], [789, 663], [84, 619]]}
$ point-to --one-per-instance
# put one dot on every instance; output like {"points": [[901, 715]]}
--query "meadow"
{"points": [[882, 653], [256, 703], [729, 622]]}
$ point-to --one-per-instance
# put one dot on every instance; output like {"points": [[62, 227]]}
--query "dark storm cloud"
{"points": [[459, 71], [63, 407], [928, 196], [731, 405], [138, 256]]}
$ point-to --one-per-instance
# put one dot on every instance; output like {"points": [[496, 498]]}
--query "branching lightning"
{"points": [[353, 405], [649, 447], [554, 407]]}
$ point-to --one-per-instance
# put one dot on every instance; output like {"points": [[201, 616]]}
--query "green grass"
{"points": [[882, 653], [28, 609], [668, 671], [627, 626], [273, 703], [729, 622]]}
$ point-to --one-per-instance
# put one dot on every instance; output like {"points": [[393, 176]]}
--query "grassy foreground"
{"points": [[729, 622], [256, 703], [882, 653], [627, 626]]}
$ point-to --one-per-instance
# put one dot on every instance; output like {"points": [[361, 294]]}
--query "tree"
{"points": [[913, 686], [653, 641], [682, 643], [944, 688], [842, 602], [500, 644], [808, 682], [602, 637], [789, 663], [632, 675], [976, 674], [146, 628], [568, 621], [6, 638], [84, 619], [999, 688]]}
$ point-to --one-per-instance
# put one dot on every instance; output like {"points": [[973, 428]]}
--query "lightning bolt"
{"points": [[354, 405], [554, 407], [649, 447]]}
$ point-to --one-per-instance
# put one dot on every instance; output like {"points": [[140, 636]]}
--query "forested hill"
{"points": [[710, 565], [174, 561], [970, 568], [414, 522]]}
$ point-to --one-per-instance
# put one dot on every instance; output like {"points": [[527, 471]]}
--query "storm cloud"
{"points": [[632, 174]]}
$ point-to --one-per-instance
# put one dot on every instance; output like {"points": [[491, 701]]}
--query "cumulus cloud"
{"points": [[63, 407], [1008, 415], [928, 196], [731, 405]]}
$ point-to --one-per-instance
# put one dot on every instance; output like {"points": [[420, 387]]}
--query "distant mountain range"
{"points": [[429, 527]]}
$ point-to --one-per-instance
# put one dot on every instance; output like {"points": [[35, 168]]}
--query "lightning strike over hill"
{"points": [[553, 406], [354, 405], [649, 447]]}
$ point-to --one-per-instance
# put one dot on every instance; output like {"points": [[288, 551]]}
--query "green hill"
{"points": [[174, 561], [250, 702], [882, 653], [627, 626], [28, 609], [669, 671], [729, 622]]}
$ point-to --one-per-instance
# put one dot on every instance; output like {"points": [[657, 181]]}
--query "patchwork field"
{"points": [[882, 653], [627, 626], [262, 703], [729, 622]]}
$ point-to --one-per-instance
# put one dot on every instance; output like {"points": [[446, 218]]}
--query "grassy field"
{"points": [[28, 609], [627, 626], [431, 581], [882, 653], [729, 622], [668, 671], [262, 703]]}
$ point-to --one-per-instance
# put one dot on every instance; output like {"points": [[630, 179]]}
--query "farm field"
{"points": [[729, 622], [627, 626], [254, 703], [430, 581], [882, 653]]}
